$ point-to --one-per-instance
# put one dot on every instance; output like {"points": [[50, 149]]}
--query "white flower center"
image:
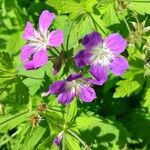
{"points": [[75, 85], [102, 55], [40, 42]]}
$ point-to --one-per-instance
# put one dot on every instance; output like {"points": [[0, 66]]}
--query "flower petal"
{"points": [[82, 58], [66, 97], [29, 65], [116, 43], [87, 94], [29, 32], [40, 58], [92, 40], [74, 76], [57, 87], [26, 51], [45, 20], [119, 66], [58, 139], [95, 82], [56, 38], [100, 73]]}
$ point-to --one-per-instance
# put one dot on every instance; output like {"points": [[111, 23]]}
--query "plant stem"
{"points": [[30, 77], [68, 37], [64, 140], [79, 139], [125, 21], [26, 111], [51, 109], [2, 70], [57, 50], [6, 76], [93, 20]]}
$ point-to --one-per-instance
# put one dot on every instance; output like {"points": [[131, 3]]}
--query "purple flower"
{"points": [[58, 139], [74, 85], [102, 56], [34, 54]]}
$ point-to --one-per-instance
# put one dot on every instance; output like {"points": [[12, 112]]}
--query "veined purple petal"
{"points": [[99, 72], [116, 43], [119, 66], [82, 58], [40, 58], [92, 40], [74, 76], [95, 82], [45, 20], [66, 97], [29, 65], [26, 51], [29, 32], [57, 87], [87, 94], [56, 38], [58, 139]]}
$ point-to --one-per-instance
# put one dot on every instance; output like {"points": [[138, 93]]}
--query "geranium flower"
{"points": [[74, 85], [34, 53], [102, 56], [58, 139]]}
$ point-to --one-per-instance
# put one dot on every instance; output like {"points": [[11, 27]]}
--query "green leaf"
{"points": [[33, 139], [23, 130], [100, 24], [146, 96], [138, 124], [138, 6], [72, 6], [33, 85], [6, 61], [132, 83], [8, 123], [110, 17], [14, 43], [133, 79], [72, 143], [64, 7], [72, 110], [21, 91], [99, 133]]}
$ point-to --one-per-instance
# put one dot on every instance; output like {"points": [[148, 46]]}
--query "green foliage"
{"points": [[112, 15], [12, 46], [117, 119], [98, 131], [138, 6], [73, 6], [146, 96]]}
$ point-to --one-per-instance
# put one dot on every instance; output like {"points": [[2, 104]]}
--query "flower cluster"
{"points": [[100, 55]]}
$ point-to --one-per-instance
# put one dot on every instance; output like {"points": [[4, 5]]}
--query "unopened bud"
{"points": [[35, 119], [42, 107]]}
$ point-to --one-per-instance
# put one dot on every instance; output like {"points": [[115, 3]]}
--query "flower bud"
{"points": [[58, 139]]}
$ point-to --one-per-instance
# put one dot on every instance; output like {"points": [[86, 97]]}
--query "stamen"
{"points": [[40, 42], [102, 55]]}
